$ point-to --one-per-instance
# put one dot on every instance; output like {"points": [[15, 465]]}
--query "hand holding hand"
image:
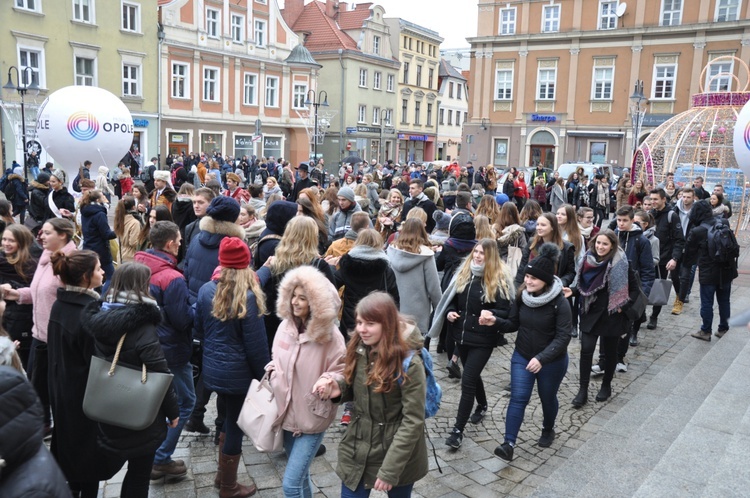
{"points": [[486, 318], [9, 293]]}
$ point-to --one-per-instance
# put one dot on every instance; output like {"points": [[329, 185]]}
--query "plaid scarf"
{"points": [[595, 275]]}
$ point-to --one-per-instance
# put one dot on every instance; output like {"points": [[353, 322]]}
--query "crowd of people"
{"points": [[332, 287]]}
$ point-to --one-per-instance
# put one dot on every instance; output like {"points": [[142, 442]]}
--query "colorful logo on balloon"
{"points": [[747, 135], [83, 126]]}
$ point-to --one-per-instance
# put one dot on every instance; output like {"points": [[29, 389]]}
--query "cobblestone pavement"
{"points": [[473, 470]]}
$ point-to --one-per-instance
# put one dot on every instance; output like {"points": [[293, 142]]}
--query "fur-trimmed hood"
{"points": [[322, 296], [40, 186], [212, 231], [14, 176], [107, 322]]}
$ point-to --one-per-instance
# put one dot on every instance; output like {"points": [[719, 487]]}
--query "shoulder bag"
{"points": [[124, 397], [258, 415], [660, 291]]}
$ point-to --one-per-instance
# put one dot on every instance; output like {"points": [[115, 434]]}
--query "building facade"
{"points": [[453, 111], [111, 45], [551, 80], [358, 76], [226, 85], [419, 53]]}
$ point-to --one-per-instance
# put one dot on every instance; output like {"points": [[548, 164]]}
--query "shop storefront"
{"points": [[417, 148], [246, 145]]}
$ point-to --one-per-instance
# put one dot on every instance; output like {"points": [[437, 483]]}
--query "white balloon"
{"points": [[742, 139], [79, 123]]}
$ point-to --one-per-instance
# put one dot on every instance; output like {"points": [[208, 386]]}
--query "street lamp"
{"points": [[315, 102], [637, 112], [383, 115], [22, 89]]}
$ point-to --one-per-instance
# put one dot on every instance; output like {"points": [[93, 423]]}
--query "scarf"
{"points": [[477, 270], [124, 297], [552, 292], [601, 196], [83, 290], [595, 275], [586, 232], [461, 245]]}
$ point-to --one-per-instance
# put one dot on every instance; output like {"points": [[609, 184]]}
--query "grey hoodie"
{"points": [[684, 216], [416, 277]]}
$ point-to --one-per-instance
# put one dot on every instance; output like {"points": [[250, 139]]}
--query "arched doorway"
{"points": [[542, 146]]}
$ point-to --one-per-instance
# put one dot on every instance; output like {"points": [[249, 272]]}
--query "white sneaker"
{"points": [[597, 370], [621, 367]]}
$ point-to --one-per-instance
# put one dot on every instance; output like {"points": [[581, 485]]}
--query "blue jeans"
{"points": [[34, 170], [300, 453], [707, 305], [548, 382], [183, 386], [395, 492]]}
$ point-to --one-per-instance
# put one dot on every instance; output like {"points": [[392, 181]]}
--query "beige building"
{"points": [[103, 43], [418, 49], [551, 80]]}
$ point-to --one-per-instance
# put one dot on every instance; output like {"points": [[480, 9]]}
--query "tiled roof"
{"points": [[447, 70], [354, 19], [324, 33]]}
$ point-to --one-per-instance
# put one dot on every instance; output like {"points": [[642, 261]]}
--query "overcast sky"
{"points": [[453, 20]]}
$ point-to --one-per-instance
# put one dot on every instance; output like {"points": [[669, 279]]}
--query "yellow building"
{"points": [[105, 43], [417, 93]]}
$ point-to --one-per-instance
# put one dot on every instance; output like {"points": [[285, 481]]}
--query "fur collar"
{"points": [[210, 225], [109, 324], [38, 185], [322, 296]]}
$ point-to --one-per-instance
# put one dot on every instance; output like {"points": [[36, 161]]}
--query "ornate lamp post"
{"points": [[21, 88], [637, 112], [315, 101]]}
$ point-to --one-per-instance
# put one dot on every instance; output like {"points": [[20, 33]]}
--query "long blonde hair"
{"points": [[298, 245], [496, 277], [483, 228], [489, 208], [230, 300]]}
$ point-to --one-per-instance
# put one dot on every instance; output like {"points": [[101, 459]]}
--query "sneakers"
{"points": [[198, 426], [548, 435], [505, 451], [720, 333], [677, 308], [621, 367], [454, 371], [455, 439], [174, 469], [652, 323], [478, 414], [703, 336], [596, 370], [346, 418]]}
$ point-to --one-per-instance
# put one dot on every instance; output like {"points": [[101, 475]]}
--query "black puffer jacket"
{"points": [[107, 323], [29, 471], [62, 199], [460, 243], [669, 232], [18, 319], [566, 266], [38, 194], [469, 305], [710, 271]]}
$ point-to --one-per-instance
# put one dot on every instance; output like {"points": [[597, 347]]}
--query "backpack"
{"points": [[10, 191], [434, 392], [176, 181], [147, 174], [722, 244], [255, 246]]}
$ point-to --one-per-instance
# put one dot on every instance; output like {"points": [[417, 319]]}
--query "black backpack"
{"points": [[10, 191], [722, 244]]}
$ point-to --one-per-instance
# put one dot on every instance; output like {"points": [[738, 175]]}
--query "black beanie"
{"points": [[223, 208], [544, 266]]}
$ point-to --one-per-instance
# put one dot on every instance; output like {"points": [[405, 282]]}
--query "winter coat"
{"points": [[649, 234], [530, 229], [62, 200], [386, 437], [373, 197], [202, 256], [42, 292], [18, 318], [469, 304], [107, 322], [129, 240], [235, 351], [38, 194], [182, 211], [566, 266], [425, 203], [557, 198], [416, 277], [167, 197], [361, 271], [341, 222], [18, 184], [638, 250], [301, 357], [299, 186], [28, 468], [668, 229], [599, 321], [278, 215], [520, 190], [240, 195], [96, 231], [710, 271], [169, 288], [74, 440], [512, 235]]}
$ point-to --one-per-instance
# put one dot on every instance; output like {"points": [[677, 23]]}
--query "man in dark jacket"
{"points": [[17, 193], [38, 193], [700, 192], [169, 289], [303, 182], [341, 221], [417, 198], [714, 277]]}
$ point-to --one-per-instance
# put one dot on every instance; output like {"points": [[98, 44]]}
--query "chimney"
{"points": [[292, 10], [332, 8], [343, 7]]}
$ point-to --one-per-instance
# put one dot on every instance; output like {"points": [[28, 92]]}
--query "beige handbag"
{"points": [[258, 414], [515, 254]]}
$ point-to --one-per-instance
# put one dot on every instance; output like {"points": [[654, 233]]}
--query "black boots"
{"points": [[605, 392], [582, 397]]}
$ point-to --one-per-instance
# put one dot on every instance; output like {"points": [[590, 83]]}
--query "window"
{"points": [[501, 152], [180, 81], [35, 5], [299, 96], [406, 42], [551, 18], [406, 73], [377, 77], [250, 89], [376, 45], [31, 59], [390, 82], [131, 17], [362, 78], [212, 23], [546, 84], [450, 117], [503, 84], [450, 89], [607, 14], [362, 117], [429, 114], [430, 77], [671, 12], [417, 109], [726, 10], [466, 116], [84, 71], [459, 86], [458, 118], [598, 152], [419, 75], [441, 116], [603, 79], [719, 77], [388, 117], [82, 11], [130, 86], [272, 91], [508, 21], [238, 28], [260, 33], [376, 115], [211, 84], [664, 81], [404, 110]]}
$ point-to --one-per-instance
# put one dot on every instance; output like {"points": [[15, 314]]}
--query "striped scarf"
{"points": [[595, 275]]}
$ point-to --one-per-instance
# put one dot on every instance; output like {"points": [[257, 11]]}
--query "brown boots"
{"points": [[230, 488], [217, 479]]}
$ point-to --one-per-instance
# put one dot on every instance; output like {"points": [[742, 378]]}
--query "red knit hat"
{"points": [[233, 253]]}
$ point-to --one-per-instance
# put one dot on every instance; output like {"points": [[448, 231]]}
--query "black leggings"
{"points": [[608, 346], [474, 360], [138, 477]]}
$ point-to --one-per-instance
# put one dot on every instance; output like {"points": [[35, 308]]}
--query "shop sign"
{"points": [[547, 118], [413, 138], [272, 143], [177, 139], [368, 129], [140, 123], [244, 141], [351, 130]]}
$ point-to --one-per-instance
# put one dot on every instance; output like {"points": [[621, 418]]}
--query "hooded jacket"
{"points": [[668, 230], [38, 193], [425, 203], [131, 234], [710, 272], [679, 208], [96, 231], [18, 319], [302, 356], [107, 322], [19, 185], [638, 251], [416, 277], [651, 237], [341, 222], [278, 215]]}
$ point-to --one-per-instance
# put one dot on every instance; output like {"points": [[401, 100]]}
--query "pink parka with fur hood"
{"points": [[299, 359]]}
